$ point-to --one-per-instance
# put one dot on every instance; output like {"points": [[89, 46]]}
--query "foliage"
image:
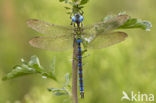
{"points": [[136, 23], [58, 92], [31, 67], [110, 76], [131, 22], [66, 90], [76, 5], [75, 2], [83, 2]]}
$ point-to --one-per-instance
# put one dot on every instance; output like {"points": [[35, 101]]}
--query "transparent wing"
{"points": [[52, 43], [105, 40], [106, 26], [49, 29]]}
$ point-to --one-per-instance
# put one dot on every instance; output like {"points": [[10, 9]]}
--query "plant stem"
{"points": [[74, 72]]}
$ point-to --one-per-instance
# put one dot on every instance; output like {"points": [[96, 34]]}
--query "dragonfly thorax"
{"points": [[77, 18]]}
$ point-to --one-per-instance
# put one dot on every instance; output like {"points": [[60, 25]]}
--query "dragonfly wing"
{"points": [[47, 28], [52, 43], [106, 40], [106, 26]]}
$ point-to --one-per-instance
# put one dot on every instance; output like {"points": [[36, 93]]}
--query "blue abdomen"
{"points": [[79, 57]]}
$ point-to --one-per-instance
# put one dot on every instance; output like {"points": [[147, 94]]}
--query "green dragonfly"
{"points": [[59, 38]]}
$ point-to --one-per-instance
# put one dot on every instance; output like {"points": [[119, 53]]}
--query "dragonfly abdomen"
{"points": [[79, 57]]}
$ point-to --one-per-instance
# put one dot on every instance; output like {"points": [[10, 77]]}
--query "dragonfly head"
{"points": [[77, 18]]}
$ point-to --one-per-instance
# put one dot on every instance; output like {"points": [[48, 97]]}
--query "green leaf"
{"points": [[58, 92], [67, 8], [31, 67], [48, 75], [35, 63], [131, 22], [67, 78], [137, 23], [66, 90], [67, 85], [80, 7], [68, 12], [19, 71], [83, 2]]}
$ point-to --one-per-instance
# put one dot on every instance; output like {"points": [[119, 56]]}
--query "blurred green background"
{"points": [[128, 66]]}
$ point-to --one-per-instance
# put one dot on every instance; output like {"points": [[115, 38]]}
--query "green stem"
{"points": [[74, 72]]}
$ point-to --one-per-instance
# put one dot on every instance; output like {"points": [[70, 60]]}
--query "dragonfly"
{"points": [[60, 38]]}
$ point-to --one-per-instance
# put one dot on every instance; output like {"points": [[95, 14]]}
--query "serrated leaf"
{"points": [[83, 2], [19, 71], [137, 23], [131, 22], [31, 67]]}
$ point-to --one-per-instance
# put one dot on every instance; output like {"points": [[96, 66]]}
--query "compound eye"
{"points": [[81, 18], [74, 19]]}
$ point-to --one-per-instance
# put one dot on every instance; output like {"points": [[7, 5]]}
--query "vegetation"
{"points": [[118, 65]]}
